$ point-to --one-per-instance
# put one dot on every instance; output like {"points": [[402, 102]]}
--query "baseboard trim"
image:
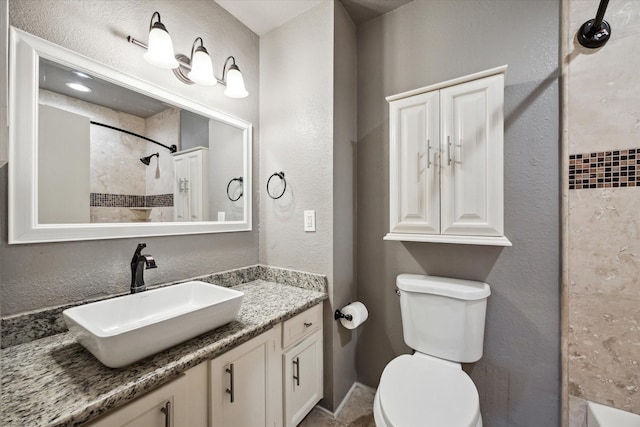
{"points": [[342, 404]]}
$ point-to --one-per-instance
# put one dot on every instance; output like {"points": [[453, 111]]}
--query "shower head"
{"points": [[147, 160]]}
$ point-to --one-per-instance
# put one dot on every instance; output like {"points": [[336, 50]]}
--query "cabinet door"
{"points": [[471, 143], [191, 185], [302, 378], [152, 409], [194, 187], [181, 201], [242, 383], [414, 177]]}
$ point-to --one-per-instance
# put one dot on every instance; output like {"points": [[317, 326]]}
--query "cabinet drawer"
{"points": [[166, 405], [301, 325]]}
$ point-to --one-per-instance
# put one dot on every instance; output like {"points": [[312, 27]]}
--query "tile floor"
{"points": [[357, 412]]}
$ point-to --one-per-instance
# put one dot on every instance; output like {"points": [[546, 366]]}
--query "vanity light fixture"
{"points": [[160, 49], [196, 69], [235, 82], [201, 67]]}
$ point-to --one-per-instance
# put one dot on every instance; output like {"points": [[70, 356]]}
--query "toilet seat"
{"points": [[423, 391]]}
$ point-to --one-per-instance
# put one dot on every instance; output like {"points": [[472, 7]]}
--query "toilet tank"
{"points": [[443, 317]]}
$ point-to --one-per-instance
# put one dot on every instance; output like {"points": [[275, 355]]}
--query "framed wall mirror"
{"points": [[95, 153]]}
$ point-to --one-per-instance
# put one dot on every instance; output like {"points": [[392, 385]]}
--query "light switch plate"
{"points": [[309, 220]]}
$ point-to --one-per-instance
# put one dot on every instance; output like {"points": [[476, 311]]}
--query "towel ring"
{"points": [[240, 180], [281, 176]]}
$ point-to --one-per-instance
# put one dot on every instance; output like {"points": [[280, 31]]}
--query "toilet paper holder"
{"points": [[340, 315]]}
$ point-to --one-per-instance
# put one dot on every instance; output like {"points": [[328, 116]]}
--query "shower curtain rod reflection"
{"points": [[172, 148], [595, 32]]}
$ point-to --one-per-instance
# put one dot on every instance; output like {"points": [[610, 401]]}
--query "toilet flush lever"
{"points": [[397, 292]]}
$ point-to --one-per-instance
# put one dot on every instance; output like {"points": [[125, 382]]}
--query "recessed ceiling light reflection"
{"points": [[81, 74], [78, 87]]}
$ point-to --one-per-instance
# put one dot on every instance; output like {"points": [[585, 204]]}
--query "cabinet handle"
{"points": [[180, 185], [307, 324], [448, 151], [428, 153], [186, 185], [166, 410], [296, 366], [230, 390]]}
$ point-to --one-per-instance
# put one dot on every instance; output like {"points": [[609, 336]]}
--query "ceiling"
{"points": [[54, 76], [262, 16]]}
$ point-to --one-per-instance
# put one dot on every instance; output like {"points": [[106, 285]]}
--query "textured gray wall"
{"points": [[307, 115], [344, 198], [296, 110], [42, 275], [296, 116], [422, 43]]}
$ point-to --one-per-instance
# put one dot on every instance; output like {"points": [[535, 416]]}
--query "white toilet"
{"points": [[443, 321]]}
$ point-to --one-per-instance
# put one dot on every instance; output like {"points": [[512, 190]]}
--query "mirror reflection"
{"points": [[106, 155]]}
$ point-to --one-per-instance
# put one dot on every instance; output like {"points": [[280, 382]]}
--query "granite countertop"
{"points": [[53, 381]]}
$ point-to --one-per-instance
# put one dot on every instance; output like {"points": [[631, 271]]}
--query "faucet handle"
{"points": [[149, 261]]}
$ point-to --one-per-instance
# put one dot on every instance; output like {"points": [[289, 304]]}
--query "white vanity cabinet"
{"points": [[191, 191], [164, 406], [244, 384], [302, 364], [272, 380], [446, 162]]}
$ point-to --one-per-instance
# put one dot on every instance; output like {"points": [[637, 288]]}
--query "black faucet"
{"points": [[137, 268]]}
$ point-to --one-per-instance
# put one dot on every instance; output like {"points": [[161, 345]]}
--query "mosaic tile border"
{"points": [[106, 200], [605, 169], [30, 326]]}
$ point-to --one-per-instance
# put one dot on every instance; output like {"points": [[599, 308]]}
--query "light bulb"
{"points": [[160, 49], [201, 68], [235, 83]]}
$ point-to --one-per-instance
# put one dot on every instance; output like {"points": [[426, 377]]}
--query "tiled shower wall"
{"points": [[122, 188], [602, 238]]}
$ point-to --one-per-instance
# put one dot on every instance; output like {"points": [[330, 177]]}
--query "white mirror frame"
{"points": [[25, 52]]}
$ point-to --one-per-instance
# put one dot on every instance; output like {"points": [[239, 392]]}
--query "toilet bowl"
{"points": [[423, 391], [443, 321]]}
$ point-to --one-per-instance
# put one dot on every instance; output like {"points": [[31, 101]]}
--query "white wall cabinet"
{"points": [[191, 188], [164, 406], [446, 162]]}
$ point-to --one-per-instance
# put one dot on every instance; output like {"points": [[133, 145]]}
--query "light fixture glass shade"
{"points": [[202, 68], [235, 83], [160, 48]]}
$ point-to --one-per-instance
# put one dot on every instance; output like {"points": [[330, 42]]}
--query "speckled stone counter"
{"points": [[25, 327], [53, 381]]}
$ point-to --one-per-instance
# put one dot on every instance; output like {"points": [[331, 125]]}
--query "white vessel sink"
{"points": [[125, 329]]}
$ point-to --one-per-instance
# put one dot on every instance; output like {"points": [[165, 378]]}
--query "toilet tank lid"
{"points": [[445, 286]]}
